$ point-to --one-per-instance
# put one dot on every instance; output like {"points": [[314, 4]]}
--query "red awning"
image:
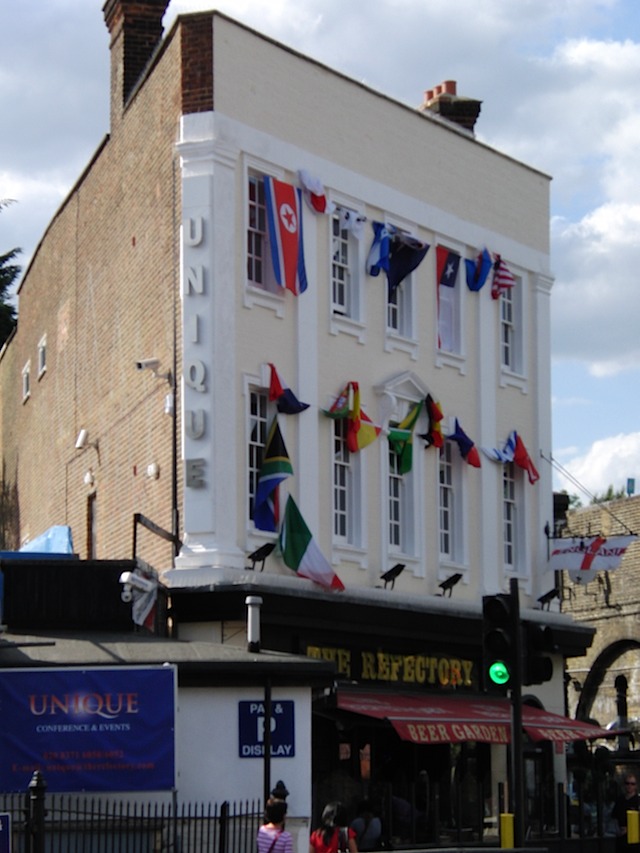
{"points": [[453, 719]]}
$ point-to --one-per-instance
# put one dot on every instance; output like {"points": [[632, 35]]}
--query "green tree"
{"points": [[9, 272], [611, 494]]}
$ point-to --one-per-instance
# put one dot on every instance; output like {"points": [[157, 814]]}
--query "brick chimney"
{"points": [[445, 101], [135, 27]]}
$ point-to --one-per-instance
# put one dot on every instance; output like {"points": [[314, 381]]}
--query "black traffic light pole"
{"points": [[517, 738]]}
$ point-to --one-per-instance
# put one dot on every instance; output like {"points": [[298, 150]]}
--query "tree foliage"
{"points": [[9, 272], [610, 494]]}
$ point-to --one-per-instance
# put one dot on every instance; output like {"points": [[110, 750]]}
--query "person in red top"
{"points": [[333, 835]]}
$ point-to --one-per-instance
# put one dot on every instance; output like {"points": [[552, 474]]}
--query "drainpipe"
{"points": [[254, 602]]}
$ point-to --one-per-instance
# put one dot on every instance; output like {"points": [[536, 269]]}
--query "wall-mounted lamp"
{"points": [[153, 471], [260, 555], [389, 577], [447, 585], [89, 478], [153, 365], [82, 442], [548, 597]]}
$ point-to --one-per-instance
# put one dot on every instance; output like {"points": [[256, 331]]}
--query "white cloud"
{"points": [[608, 462]]}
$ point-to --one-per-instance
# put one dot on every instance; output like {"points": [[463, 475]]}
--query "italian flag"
{"points": [[300, 551]]}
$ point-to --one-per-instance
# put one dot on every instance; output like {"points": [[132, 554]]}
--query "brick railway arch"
{"points": [[599, 669]]}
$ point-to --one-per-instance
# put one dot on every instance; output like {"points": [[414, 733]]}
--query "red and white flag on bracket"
{"points": [[584, 557]]}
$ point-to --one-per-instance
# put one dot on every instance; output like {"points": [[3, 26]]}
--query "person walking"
{"points": [[272, 836], [333, 835]]}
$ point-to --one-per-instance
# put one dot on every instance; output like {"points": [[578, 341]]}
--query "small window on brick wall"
{"points": [[26, 382], [42, 356]]}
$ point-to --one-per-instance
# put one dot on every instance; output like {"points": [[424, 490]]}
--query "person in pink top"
{"points": [[272, 836], [333, 835]]}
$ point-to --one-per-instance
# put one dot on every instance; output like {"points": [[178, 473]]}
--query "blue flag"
{"points": [[478, 270]]}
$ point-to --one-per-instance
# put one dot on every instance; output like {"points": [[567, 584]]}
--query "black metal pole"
{"points": [[267, 739], [517, 739]]}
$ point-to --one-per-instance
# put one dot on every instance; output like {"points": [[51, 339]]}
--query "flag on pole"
{"points": [[286, 401], [522, 458], [514, 451], [284, 217], [401, 438], [361, 431], [301, 552], [378, 258], [313, 191], [406, 254], [276, 467], [503, 278], [433, 436], [468, 450], [340, 407], [478, 271]]}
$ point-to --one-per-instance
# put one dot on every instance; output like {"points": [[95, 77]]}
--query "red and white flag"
{"points": [[585, 557]]}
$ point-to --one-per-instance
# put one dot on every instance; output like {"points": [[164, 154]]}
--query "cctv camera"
{"points": [[126, 595], [137, 581], [148, 364], [81, 440]]}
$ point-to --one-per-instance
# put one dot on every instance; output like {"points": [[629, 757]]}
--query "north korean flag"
{"points": [[284, 216]]}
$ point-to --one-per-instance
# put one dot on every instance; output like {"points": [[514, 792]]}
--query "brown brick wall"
{"points": [[611, 604], [104, 289], [197, 64]]}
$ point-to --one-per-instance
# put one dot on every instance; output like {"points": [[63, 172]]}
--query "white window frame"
{"points": [[257, 416], [42, 356], [513, 513], [403, 493], [346, 490], [512, 334], [26, 381], [447, 514], [265, 291], [346, 258], [451, 509]]}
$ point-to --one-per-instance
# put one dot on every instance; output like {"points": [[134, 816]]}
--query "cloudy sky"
{"points": [[559, 84]]}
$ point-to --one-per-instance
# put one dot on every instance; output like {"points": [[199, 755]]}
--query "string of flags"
{"points": [[393, 251], [302, 553]]}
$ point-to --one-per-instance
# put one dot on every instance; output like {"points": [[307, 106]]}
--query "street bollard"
{"points": [[506, 830], [633, 827]]}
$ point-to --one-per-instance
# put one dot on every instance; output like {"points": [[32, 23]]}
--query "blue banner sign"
{"points": [[251, 727], [88, 729]]}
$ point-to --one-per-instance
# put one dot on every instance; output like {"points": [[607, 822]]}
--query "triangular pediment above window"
{"points": [[397, 394]]}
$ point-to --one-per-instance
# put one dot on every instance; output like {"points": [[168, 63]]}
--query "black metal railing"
{"points": [[63, 823]]}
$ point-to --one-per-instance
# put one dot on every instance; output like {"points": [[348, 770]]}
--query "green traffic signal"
{"points": [[499, 672]]}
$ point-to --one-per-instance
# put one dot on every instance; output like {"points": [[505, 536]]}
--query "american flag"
{"points": [[503, 278]]}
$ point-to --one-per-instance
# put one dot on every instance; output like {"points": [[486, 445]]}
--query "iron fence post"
{"points": [[35, 827]]}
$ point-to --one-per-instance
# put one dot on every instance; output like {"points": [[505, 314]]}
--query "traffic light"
{"points": [[538, 641], [499, 642]]}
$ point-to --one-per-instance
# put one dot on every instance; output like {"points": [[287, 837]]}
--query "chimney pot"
{"points": [[449, 87], [428, 95]]}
